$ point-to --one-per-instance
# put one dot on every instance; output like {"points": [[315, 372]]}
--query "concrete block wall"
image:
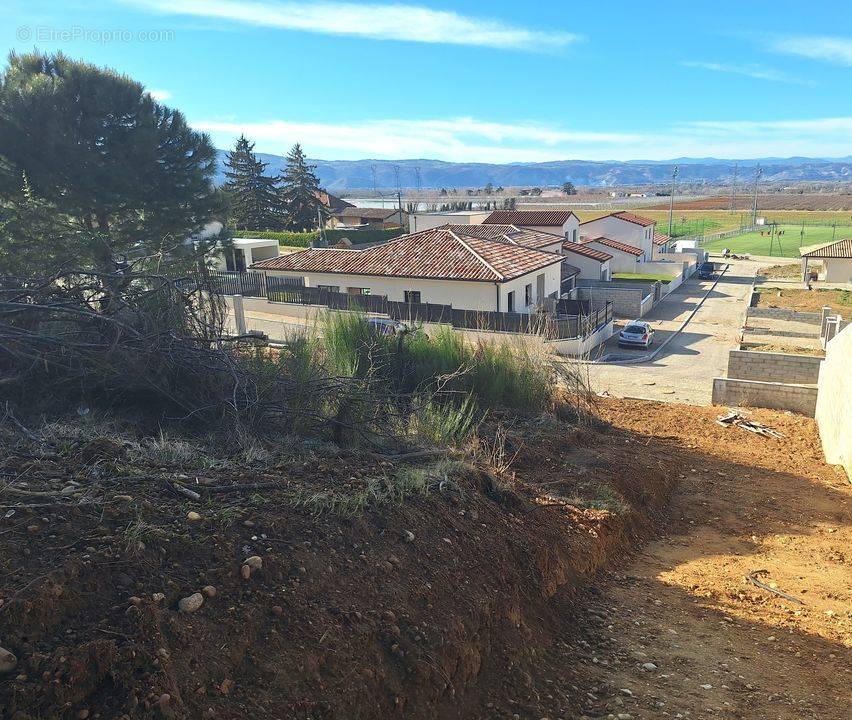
{"points": [[773, 367], [834, 402], [626, 302], [785, 314], [753, 393]]}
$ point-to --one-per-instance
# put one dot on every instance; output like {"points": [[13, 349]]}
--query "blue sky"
{"points": [[496, 81]]}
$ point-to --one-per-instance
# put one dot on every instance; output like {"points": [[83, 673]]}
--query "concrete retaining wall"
{"points": [[773, 367], [834, 403], [784, 314], [753, 393], [626, 302]]}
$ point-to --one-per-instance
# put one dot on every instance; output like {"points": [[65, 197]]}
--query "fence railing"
{"points": [[571, 318]]}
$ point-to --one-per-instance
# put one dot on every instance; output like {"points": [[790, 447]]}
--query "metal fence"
{"points": [[571, 318]]}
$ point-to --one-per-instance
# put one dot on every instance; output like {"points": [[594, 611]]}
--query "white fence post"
{"points": [[239, 314]]}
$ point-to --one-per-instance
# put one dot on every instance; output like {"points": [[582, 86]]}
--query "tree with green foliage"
{"points": [[95, 164], [253, 196], [568, 188], [298, 191]]}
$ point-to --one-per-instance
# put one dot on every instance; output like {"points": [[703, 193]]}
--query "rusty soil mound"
{"points": [[424, 597]]}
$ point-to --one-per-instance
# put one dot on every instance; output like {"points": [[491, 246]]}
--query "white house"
{"points": [[625, 227], [556, 222], [244, 252], [836, 259], [440, 266], [593, 264], [625, 258], [427, 221], [662, 245]]}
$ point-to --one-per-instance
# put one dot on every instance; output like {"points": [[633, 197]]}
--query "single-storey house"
{"points": [[625, 227], [245, 251], [512, 234], [593, 264], [836, 259], [427, 220], [440, 266], [355, 217], [662, 244], [625, 258], [556, 222]]}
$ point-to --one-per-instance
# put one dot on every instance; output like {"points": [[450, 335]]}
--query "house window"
{"points": [[574, 234], [528, 299], [329, 288], [358, 291], [510, 302], [412, 296], [235, 260]]}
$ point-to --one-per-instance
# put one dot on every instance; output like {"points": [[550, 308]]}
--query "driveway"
{"points": [[684, 370]]}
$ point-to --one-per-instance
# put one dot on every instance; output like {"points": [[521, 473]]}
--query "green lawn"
{"points": [[755, 244], [685, 226], [643, 277]]}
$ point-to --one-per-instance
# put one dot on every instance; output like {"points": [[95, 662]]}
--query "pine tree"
{"points": [[254, 201], [105, 157], [298, 188]]}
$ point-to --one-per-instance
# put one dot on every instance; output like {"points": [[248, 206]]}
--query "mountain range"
{"points": [[342, 175]]}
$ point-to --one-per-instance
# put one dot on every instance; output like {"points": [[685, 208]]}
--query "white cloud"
{"points": [[160, 95], [830, 49], [751, 70], [467, 139], [412, 23]]}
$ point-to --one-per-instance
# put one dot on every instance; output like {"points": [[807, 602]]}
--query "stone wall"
{"points": [[753, 393], [834, 403], [773, 367]]}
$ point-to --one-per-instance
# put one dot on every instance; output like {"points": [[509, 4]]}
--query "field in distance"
{"points": [[786, 244]]}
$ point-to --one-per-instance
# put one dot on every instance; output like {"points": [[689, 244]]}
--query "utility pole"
{"points": [[398, 194], [734, 187], [754, 202], [417, 177], [373, 168], [671, 201]]}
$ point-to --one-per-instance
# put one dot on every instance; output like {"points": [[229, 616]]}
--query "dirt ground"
{"points": [[804, 300], [722, 647], [522, 596]]}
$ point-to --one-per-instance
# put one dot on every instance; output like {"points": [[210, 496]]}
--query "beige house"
{"points": [[625, 258], [417, 222], [836, 259], [442, 266], [555, 222], [593, 264], [624, 227]]}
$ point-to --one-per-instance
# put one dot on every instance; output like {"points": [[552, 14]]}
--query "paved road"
{"points": [[684, 370]]}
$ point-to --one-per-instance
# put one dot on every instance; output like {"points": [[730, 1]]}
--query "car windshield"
{"points": [[635, 330]]}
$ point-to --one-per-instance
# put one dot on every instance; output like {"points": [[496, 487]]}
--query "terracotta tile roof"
{"points": [[660, 238], [437, 254], [332, 202], [528, 217], [836, 249], [588, 252], [624, 215], [614, 244], [508, 233]]}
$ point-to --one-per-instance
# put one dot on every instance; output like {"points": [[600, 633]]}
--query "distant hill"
{"points": [[341, 175]]}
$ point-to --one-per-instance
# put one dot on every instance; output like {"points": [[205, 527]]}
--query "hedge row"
{"points": [[304, 239]]}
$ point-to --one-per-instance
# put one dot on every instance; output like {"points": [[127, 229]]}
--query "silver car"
{"points": [[637, 333]]}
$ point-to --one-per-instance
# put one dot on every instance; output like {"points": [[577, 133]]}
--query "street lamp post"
{"points": [[754, 201], [671, 201]]}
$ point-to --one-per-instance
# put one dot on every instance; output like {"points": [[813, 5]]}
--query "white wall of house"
{"points": [[621, 261], [624, 231], [252, 249], [566, 230], [589, 268], [838, 270], [462, 294], [426, 221]]}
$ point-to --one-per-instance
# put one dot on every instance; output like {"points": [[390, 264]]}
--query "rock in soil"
{"points": [[191, 603], [8, 661], [208, 591]]}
